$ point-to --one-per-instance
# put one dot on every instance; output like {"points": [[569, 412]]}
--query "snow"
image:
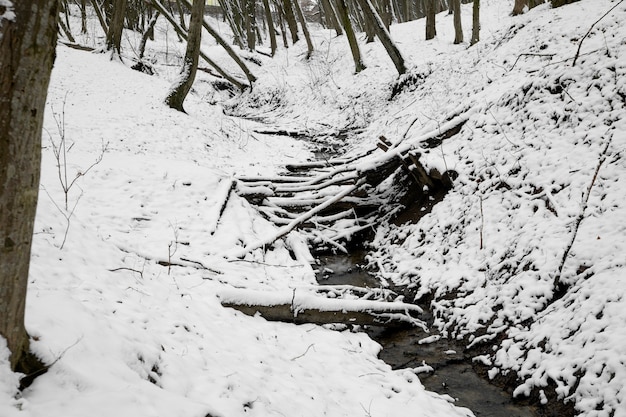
{"points": [[538, 201]]}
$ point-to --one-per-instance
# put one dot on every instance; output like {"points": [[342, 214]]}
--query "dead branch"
{"points": [[580, 44]]}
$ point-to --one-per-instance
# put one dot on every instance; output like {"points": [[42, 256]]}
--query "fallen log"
{"points": [[303, 306]]}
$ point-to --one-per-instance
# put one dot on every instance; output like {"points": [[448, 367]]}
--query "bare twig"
{"points": [[529, 54], [580, 44], [581, 215], [312, 345], [482, 223]]}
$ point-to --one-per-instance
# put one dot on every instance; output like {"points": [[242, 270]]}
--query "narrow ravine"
{"points": [[442, 365]]}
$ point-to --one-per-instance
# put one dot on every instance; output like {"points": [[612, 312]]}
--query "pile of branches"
{"points": [[331, 202]]}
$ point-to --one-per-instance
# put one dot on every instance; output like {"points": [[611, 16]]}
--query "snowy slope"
{"points": [[540, 165], [127, 336]]}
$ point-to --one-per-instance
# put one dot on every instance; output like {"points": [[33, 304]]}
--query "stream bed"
{"points": [[447, 370]]}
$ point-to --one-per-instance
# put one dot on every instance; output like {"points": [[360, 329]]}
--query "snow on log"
{"points": [[302, 306]]}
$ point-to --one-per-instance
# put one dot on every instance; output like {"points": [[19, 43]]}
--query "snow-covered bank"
{"points": [[530, 240], [128, 335]]}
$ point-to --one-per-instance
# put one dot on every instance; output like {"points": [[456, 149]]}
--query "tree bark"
{"points": [[475, 22], [331, 17], [458, 29], [382, 33], [116, 26], [518, 7], [431, 30], [305, 28], [270, 26], [250, 23], [98, 10], [228, 14], [27, 44], [347, 26], [291, 20], [181, 87], [146, 34]]}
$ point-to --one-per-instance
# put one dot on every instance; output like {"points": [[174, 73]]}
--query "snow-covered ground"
{"points": [[530, 240]]}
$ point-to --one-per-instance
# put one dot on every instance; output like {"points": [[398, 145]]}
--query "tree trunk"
{"points": [[27, 44], [281, 21], [181, 15], [331, 17], [83, 16], [116, 26], [146, 34], [347, 26], [231, 52], [475, 22], [431, 30], [98, 10], [228, 14], [458, 29], [518, 7], [181, 87], [382, 33], [270, 26], [291, 20], [250, 23], [305, 28], [180, 32]]}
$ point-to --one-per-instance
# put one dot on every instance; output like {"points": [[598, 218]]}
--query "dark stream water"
{"points": [[452, 372]]}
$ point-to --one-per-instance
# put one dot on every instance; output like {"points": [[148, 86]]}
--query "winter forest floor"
{"points": [[522, 262]]}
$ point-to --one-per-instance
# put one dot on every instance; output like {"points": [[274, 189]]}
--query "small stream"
{"points": [[452, 372]]}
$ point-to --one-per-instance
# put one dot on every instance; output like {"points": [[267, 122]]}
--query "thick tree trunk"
{"points": [[331, 17], [181, 87], [475, 22], [116, 26], [382, 33], [291, 20], [518, 7], [250, 23], [458, 29], [347, 26], [431, 10], [27, 44]]}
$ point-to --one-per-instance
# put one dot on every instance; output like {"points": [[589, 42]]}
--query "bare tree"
{"points": [[183, 84], [458, 29], [270, 25], [518, 7], [116, 26], [475, 22], [431, 10], [382, 33], [305, 29], [27, 41], [290, 17], [342, 11]]}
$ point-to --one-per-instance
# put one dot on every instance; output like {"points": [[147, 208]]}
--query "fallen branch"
{"points": [[294, 223], [301, 307], [580, 44]]}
